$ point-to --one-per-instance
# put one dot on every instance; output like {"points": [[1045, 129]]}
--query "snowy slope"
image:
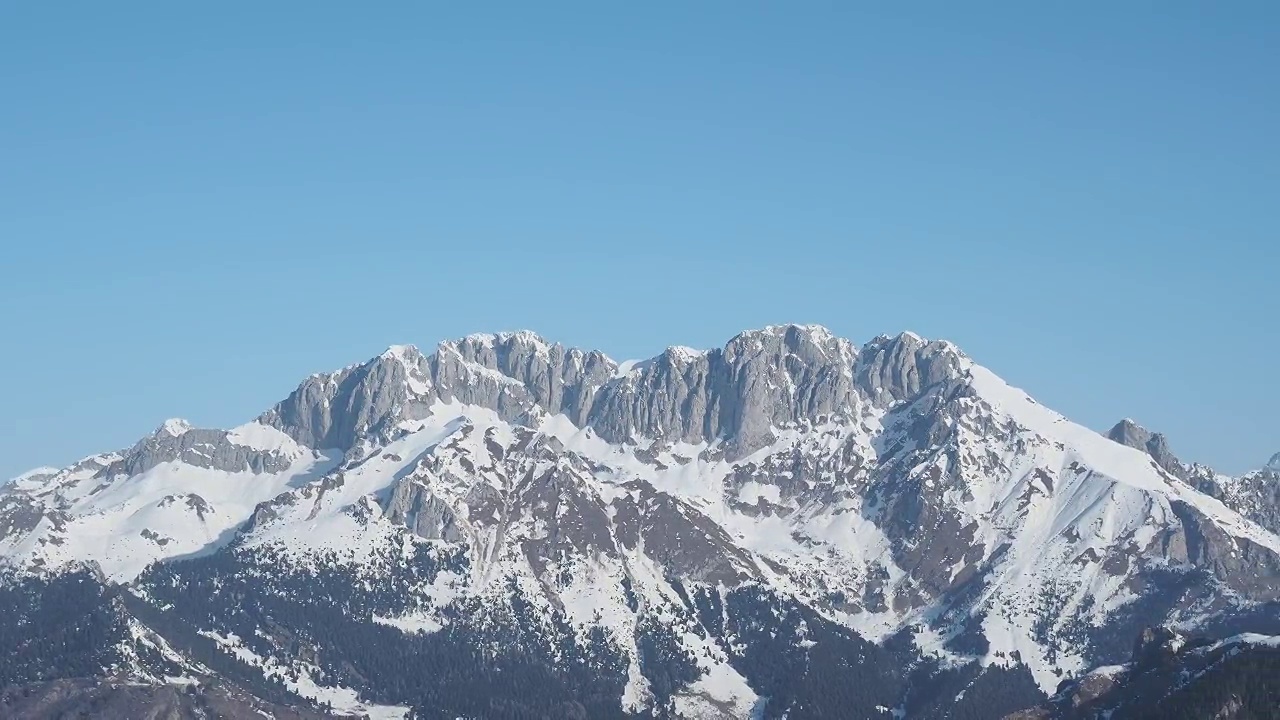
{"points": [[125, 522]]}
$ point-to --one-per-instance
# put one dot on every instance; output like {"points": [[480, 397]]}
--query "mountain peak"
{"points": [[812, 330], [1128, 423], [174, 427], [400, 352], [523, 336], [907, 336], [789, 335], [908, 342], [683, 353], [1274, 463], [893, 368], [519, 337], [1129, 433]]}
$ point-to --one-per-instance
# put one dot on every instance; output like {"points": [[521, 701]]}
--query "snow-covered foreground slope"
{"points": [[703, 534]]}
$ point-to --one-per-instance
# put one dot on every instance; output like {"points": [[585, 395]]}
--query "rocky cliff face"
{"points": [[1256, 495], [760, 380], [178, 441], [1127, 432]]}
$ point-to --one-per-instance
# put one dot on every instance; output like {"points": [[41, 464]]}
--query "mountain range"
{"points": [[790, 526]]}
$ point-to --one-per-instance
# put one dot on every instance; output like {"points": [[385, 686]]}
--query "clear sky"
{"points": [[201, 203]]}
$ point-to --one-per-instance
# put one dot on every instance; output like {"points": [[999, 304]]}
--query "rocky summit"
{"points": [[791, 525]]}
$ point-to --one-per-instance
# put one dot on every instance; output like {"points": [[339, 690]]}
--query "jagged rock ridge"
{"points": [[759, 380]]}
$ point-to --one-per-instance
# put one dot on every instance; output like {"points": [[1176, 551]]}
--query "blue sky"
{"points": [[199, 205]]}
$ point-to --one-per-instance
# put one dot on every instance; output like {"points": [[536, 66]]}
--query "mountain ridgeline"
{"points": [[788, 526]]}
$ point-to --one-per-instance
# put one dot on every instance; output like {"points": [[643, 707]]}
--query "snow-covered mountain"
{"points": [[790, 525]]}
